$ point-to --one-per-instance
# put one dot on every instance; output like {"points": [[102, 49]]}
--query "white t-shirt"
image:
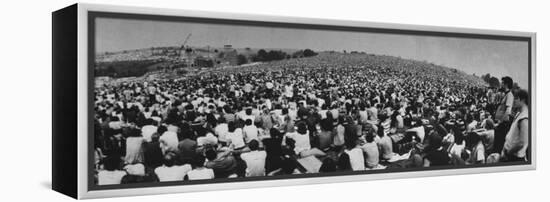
{"points": [[169, 141], [457, 149], [255, 162], [200, 174], [419, 131], [221, 131], [236, 138], [302, 141], [106, 177], [148, 131], [135, 169], [356, 158], [208, 139], [172, 128], [174, 173], [250, 133]]}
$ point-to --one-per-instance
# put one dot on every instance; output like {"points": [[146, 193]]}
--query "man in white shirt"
{"points": [[221, 130], [147, 131], [250, 131], [111, 174], [169, 141], [255, 160], [171, 172], [235, 137], [200, 172]]}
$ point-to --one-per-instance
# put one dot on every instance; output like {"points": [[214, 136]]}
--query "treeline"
{"points": [[495, 82], [123, 68], [274, 55], [491, 80]]}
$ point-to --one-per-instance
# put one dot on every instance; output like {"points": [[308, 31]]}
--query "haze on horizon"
{"points": [[473, 56]]}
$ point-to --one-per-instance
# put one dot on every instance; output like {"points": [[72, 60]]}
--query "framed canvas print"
{"points": [[150, 101]]}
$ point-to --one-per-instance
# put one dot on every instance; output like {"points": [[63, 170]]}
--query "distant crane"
{"points": [[186, 50], [182, 48]]}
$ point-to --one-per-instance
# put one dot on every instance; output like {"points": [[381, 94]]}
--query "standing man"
{"points": [[503, 113]]}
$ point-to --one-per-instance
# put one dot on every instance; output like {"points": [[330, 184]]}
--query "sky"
{"points": [[479, 56]]}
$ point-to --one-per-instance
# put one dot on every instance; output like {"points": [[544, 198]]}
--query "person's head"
{"points": [[199, 161], [221, 120], [285, 111], [169, 159], [302, 128], [274, 133], [111, 163], [161, 129], [248, 111], [131, 179], [521, 97], [326, 125], [369, 137], [507, 83], [328, 166], [248, 122], [344, 162], [435, 140], [155, 137], [211, 154], [231, 126], [254, 145]]}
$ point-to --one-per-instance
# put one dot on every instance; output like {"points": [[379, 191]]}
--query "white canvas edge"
{"points": [[82, 86]]}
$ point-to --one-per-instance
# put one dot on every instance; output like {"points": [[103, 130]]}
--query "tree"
{"points": [[494, 82], [262, 55], [309, 53], [241, 59], [275, 55], [486, 77], [298, 54]]}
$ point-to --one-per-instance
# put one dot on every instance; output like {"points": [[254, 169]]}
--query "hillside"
{"points": [[388, 67]]}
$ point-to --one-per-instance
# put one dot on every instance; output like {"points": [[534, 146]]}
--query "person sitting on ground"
{"points": [[302, 146], [250, 131], [344, 163], [273, 149], [436, 155], [488, 136], [288, 167], [370, 148], [356, 157], [385, 145], [200, 172], [235, 137], [474, 146], [169, 171], [224, 163], [328, 166], [111, 173], [255, 160]]}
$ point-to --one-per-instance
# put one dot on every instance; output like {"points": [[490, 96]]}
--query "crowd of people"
{"points": [[329, 113]]}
